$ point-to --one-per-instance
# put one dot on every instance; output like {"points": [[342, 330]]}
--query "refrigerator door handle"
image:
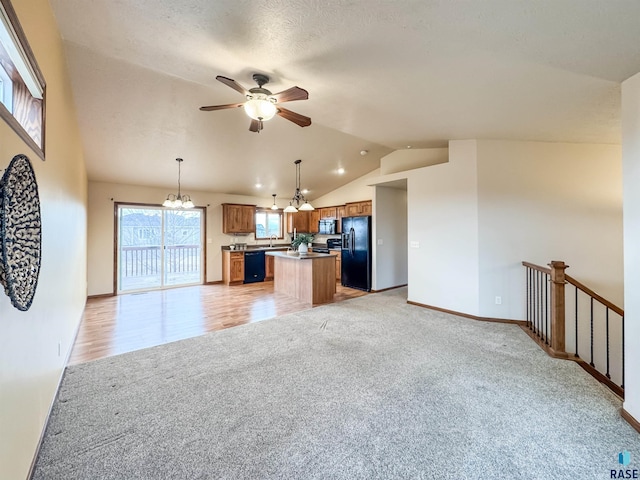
{"points": [[352, 237]]}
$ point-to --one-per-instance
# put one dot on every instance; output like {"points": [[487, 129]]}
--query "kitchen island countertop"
{"points": [[300, 256]]}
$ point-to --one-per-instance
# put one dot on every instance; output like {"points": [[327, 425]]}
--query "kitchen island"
{"points": [[311, 277]]}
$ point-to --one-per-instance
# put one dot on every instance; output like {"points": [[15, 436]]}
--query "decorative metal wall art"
{"points": [[21, 232]]}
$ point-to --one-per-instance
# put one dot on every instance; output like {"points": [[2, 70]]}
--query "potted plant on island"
{"points": [[302, 242]]}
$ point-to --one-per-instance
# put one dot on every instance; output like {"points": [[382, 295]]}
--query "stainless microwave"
{"points": [[327, 227]]}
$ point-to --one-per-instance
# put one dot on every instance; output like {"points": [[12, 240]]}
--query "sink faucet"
{"points": [[271, 237]]}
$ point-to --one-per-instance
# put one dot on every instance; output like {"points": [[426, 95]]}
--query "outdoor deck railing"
{"points": [[146, 261]]}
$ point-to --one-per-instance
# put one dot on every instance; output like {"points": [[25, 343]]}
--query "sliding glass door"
{"points": [[158, 248]]}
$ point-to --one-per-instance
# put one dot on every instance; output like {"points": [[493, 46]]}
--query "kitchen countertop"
{"points": [[253, 248], [308, 256]]}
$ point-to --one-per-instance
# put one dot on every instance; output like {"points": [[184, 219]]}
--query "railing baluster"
{"points": [[541, 326], [607, 325], [535, 302], [539, 304], [622, 385], [529, 317], [576, 289], [546, 309], [591, 362]]}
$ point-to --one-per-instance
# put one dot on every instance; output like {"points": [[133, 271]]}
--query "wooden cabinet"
{"points": [[338, 255], [327, 212], [238, 218], [268, 267], [232, 267], [339, 214], [356, 209], [314, 219], [299, 221]]}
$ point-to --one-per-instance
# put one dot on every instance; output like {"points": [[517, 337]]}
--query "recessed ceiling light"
{"points": [[341, 171], [364, 152], [408, 146], [258, 185], [305, 191]]}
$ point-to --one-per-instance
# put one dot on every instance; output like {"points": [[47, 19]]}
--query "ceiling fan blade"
{"points": [[233, 84], [294, 117], [291, 94], [255, 126], [220, 107]]}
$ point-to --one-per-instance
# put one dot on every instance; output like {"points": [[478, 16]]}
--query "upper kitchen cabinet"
{"points": [[355, 209], [314, 221], [238, 218], [327, 213], [299, 221], [340, 212]]}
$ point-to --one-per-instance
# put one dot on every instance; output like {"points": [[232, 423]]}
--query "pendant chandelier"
{"points": [[179, 200], [298, 196], [274, 206]]}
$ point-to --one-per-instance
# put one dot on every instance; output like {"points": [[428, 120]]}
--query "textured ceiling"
{"points": [[380, 74]]}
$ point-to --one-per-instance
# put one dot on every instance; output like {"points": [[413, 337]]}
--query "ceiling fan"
{"points": [[261, 105]]}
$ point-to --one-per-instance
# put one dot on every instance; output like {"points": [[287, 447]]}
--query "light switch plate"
{"points": [[415, 244]]}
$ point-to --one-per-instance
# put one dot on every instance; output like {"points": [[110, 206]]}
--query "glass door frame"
{"points": [[116, 246]]}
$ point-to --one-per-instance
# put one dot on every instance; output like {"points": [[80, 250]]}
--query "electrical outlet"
{"points": [[498, 300], [380, 241]]}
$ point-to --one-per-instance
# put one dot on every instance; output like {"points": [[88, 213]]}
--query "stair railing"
{"points": [[577, 316]]}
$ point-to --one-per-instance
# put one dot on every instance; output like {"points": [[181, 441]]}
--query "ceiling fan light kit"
{"points": [[261, 105], [179, 200]]}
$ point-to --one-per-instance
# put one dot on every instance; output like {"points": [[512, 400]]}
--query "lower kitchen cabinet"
{"points": [[232, 267], [338, 255], [268, 267]]}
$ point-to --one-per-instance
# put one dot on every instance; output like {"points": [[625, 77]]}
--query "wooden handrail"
{"points": [[593, 294], [537, 267]]}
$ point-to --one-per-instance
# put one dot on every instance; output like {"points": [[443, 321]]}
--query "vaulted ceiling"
{"points": [[381, 75]]}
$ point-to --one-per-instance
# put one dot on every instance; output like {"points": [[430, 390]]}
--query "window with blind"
{"points": [[268, 223], [22, 86]]}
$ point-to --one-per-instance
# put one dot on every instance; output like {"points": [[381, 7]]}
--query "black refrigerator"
{"points": [[356, 252]]}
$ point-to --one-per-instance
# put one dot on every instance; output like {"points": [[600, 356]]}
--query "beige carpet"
{"points": [[370, 388]]}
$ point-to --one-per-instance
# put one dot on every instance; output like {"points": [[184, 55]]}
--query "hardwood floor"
{"points": [[114, 325]]}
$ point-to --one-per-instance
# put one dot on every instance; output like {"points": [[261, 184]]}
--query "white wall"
{"points": [[443, 219], [631, 169], [354, 191], [390, 228], [30, 365], [497, 203], [547, 201], [409, 159], [101, 227]]}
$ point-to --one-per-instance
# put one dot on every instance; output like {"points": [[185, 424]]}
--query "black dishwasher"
{"points": [[253, 267]]}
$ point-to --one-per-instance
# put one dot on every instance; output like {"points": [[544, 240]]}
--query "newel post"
{"points": [[557, 306]]}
